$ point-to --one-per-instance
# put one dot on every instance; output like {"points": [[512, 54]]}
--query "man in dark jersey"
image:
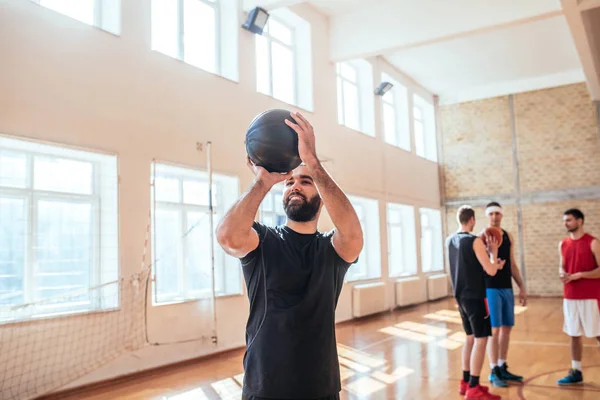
{"points": [[294, 275], [579, 270], [501, 301], [469, 261]]}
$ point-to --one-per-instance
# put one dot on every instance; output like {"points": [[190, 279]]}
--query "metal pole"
{"points": [[212, 239]]}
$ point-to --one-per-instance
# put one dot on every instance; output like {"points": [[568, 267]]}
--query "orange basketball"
{"points": [[495, 232]]}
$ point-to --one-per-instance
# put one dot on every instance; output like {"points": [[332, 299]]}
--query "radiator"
{"points": [[410, 291], [437, 286], [368, 298]]}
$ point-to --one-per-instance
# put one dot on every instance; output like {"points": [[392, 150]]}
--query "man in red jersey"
{"points": [[579, 256]]}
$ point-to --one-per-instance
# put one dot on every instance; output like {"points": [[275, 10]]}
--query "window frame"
{"points": [[31, 198], [183, 209], [293, 48], [397, 207], [274, 213], [216, 6], [342, 101], [436, 240]]}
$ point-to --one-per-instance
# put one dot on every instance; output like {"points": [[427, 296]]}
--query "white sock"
{"points": [[492, 366], [501, 362], [576, 365]]}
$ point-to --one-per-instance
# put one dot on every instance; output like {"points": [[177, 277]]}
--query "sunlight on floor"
{"points": [[194, 394], [363, 373], [227, 389]]}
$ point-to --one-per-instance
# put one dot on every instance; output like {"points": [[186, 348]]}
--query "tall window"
{"points": [[271, 208], [182, 234], [432, 258], [395, 115], [402, 243], [369, 260], [356, 108], [58, 226], [275, 61], [187, 30], [104, 14], [424, 128], [348, 95]]}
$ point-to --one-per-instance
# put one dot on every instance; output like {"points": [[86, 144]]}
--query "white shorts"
{"points": [[581, 317]]}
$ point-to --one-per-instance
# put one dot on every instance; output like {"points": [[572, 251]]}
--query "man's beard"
{"points": [[302, 211]]}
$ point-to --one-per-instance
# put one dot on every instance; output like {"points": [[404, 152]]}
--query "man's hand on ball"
{"points": [[268, 179], [306, 138]]}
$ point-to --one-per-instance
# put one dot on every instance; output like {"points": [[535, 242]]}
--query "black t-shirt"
{"points": [[294, 281], [468, 275], [503, 278]]}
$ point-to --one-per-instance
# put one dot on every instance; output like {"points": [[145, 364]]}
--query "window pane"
{"points": [[283, 73], [168, 234], [167, 189], [196, 192], [199, 34], [393, 216], [197, 254], [13, 170], [340, 101], [348, 72], [267, 203], [64, 247], [388, 97], [263, 65], [12, 250], [419, 139], [389, 124], [280, 219], [62, 175], [427, 249], [280, 32], [351, 106], [417, 113], [82, 10], [395, 245], [165, 27]]}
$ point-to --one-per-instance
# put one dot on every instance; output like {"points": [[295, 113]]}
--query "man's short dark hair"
{"points": [[575, 212], [464, 214], [493, 204]]}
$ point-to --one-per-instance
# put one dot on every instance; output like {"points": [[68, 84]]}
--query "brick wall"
{"points": [[558, 148]]}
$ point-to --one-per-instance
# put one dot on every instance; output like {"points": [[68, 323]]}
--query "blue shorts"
{"points": [[501, 303]]}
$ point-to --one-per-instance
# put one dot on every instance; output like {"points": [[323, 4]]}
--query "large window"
{"points": [[369, 260], [104, 14], [396, 128], [432, 257], [58, 227], [271, 208], [275, 61], [284, 59], [201, 33], [354, 96], [424, 128], [182, 234], [402, 243]]}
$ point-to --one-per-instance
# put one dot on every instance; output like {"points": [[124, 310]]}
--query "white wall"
{"points": [[66, 82]]}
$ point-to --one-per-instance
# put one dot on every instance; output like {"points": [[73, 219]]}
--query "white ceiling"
{"points": [[460, 49], [464, 50], [497, 62]]}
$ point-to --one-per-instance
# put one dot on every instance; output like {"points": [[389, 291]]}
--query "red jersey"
{"points": [[578, 257]]}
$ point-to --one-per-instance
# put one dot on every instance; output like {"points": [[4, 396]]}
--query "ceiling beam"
{"points": [[588, 4], [583, 40], [388, 26]]}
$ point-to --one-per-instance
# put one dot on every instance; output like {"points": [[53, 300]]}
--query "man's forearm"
{"points": [[238, 221], [516, 273], [338, 206], [593, 274]]}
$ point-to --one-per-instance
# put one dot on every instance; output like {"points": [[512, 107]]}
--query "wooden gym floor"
{"points": [[413, 353]]}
